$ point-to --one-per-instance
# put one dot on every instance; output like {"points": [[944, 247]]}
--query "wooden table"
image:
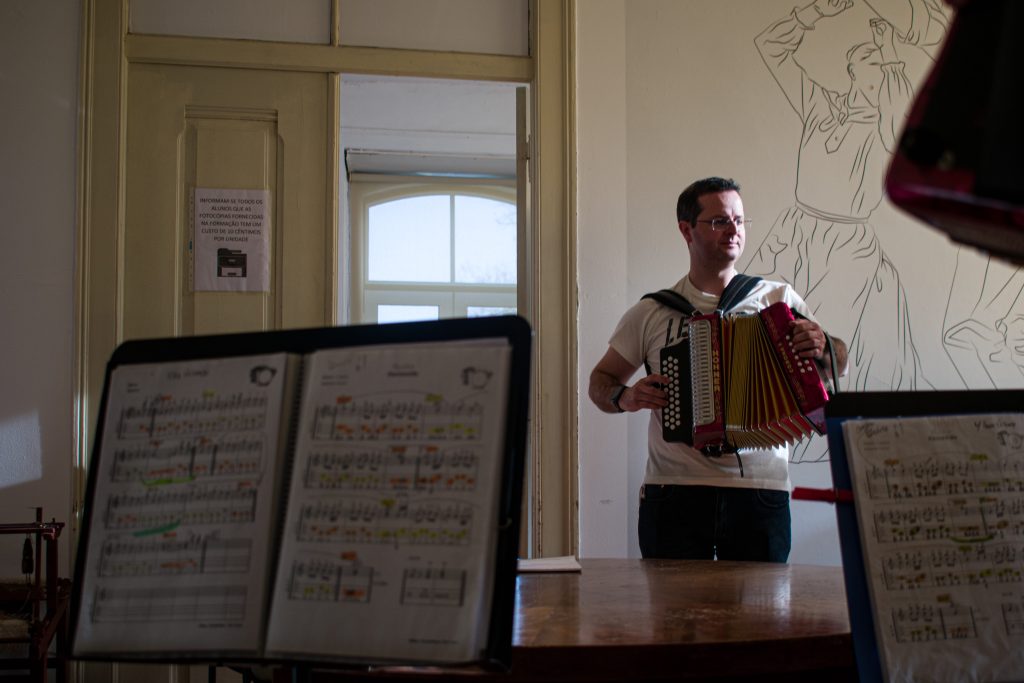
{"points": [[652, 620]]}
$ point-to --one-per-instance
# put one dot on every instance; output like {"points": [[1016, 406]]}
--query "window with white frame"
{"points": [[426, 251]]}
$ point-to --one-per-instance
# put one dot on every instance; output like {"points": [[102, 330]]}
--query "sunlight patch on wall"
{"points": [[20, 450]]}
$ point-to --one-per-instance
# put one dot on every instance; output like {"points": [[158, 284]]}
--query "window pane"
{"points": [[408, 240], [389, 313], [485, 241], [485, 311]]}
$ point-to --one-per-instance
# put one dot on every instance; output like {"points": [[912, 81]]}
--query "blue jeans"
{"points": [[708, 522]]}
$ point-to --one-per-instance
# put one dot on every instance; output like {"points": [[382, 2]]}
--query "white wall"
{"points": [[298, 21], [607, 476], [487, 26], [38, 81]]}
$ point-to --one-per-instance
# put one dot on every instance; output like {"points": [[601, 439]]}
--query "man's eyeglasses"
{"points": [[722, 222]]}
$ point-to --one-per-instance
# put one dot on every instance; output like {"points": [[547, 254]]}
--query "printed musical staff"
{"points": [[164, 415], [425, 468], [395, 521], [328, 581], [946, 566], [1013, 618], [430, 418], [203, 603], [916, 623], [397, 463], [171, 555], [166, 507], [940, 509], [957, 475], [176, 460], [962, 520], [440, 587]]}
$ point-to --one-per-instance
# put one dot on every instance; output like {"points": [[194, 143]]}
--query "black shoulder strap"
{"points": [[737, 290], [675, 301], [672, 299], [833, 363], [734, 292]]}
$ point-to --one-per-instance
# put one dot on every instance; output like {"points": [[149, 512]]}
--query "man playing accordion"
{"points": [[730, 504]]}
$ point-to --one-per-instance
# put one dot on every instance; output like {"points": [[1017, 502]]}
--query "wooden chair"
{"points": [[34, 613]]}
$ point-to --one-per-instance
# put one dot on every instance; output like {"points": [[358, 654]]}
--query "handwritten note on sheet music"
{"points": [[940, 504], [178, 536], [392, 511]]}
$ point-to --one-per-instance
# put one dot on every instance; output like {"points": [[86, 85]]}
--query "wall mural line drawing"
{"points": [[825, 243], [983, 333]]}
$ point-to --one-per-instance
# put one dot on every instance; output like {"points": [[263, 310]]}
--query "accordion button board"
{"points": [[672, 416]]}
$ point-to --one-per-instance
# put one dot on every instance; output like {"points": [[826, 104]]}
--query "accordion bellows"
{"points": [[749, 388]]}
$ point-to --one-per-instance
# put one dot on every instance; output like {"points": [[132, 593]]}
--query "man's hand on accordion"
{"points": [[810, 341], [646, 393], [610, 390], [808, 338]]}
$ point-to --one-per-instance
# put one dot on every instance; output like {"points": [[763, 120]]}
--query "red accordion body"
{"points": [[749, 387]]}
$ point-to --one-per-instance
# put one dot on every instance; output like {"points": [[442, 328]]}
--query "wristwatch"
{"points": [[616, 395]]}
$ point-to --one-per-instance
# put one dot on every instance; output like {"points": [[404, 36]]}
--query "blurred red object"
{"points": [[960, 162]]}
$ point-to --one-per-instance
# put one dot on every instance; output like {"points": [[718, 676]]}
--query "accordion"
{"points": [[738, 383]]}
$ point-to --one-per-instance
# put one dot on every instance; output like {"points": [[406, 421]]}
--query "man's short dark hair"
{"points": [[688, 205]]}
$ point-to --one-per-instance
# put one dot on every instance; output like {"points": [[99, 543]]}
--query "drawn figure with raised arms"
{"points": [[824, 244]]}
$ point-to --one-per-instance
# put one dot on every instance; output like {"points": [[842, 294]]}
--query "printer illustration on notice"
{"points": [[231, 263]]}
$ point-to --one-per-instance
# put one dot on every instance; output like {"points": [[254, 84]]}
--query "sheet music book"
{"points": [[932, 545], [343, 495]]}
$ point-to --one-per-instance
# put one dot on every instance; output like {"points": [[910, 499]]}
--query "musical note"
{"points": [[392, 521], [178, 603], [433, 586], [330, 581], [905, 478], [943, 566], [920, 622], [171, 555], [231, 503], [424, 468], [429, 418], [961, 520], [1013, 618], [179, 460], [165, 416]]}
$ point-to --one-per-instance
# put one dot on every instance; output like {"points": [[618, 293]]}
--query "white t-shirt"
{"points": [[642, 332]]}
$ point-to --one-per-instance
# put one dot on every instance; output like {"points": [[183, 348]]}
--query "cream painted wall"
{"points": [[38, 79], [486, 26], [607, 477], [498, 26], [298, 21], [700, 101]]}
